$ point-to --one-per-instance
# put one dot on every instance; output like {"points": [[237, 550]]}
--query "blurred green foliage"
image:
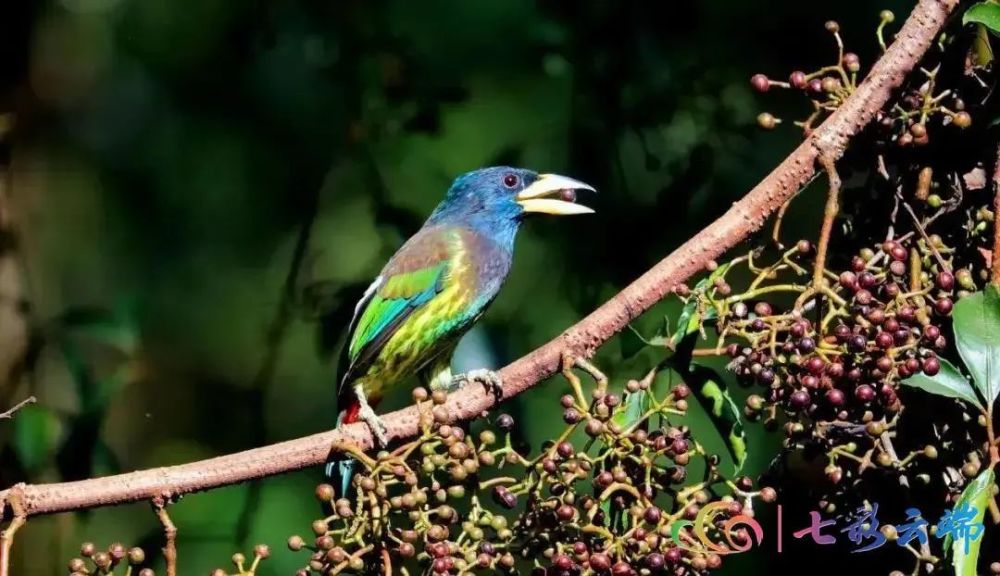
{"points": [[203, 187]]}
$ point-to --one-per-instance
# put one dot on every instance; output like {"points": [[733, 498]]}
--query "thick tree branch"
{"points": [[581, 340]]}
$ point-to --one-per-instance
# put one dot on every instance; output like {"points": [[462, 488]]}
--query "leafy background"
{"points": [[203, 187]]}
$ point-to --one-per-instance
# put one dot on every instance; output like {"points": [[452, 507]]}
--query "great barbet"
{"points": [[435, 287]]}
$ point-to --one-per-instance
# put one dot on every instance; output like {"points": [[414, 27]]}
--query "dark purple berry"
{"points": [[931, 365], [799, 399], [864, 393], [857, 343], [945, 280], [944, 306], [842, 332], [884, 340], [931, 332], [505, 422], [655, 562], [504, 497], [806, 345], [835, 397]]}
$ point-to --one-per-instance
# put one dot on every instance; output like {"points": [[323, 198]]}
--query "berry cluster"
{"points": [[829, 86], [880, 325], [94, 561], [829, 357], [601, 507], [260, 552]]}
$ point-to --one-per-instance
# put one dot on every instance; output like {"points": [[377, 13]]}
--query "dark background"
{"points": [[201, 188]]}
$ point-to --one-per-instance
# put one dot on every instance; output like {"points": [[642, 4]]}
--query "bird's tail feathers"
{"points": [[339, 466]]}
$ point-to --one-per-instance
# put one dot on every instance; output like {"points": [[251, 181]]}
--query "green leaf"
{"points": [[977, 336], [710, 390], [981, 46], [985, 13], [948, 382], [636, 404], [977, 494], [691, 319]]}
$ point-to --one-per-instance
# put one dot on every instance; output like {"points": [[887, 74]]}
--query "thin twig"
{"points": [[886, 440], [13, 410], [927, 239], [778, 220], [7, 535], [829, 215], [581, 340], [169, 534]]}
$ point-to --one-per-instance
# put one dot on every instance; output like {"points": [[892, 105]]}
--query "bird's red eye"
{"points": [[510, 180]]}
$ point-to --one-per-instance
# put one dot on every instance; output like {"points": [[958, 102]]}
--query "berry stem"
{"points": [[7, 535], [829, 215], [169, 534]]}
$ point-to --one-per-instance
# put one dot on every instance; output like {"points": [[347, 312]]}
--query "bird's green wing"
{"points": [[410, 280], [391, 303]]}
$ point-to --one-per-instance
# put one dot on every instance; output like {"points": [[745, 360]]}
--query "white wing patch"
{"points": [[365, 298], [368, 294]]}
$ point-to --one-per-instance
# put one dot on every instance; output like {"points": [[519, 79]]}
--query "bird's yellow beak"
{"points": [[553, 194]]}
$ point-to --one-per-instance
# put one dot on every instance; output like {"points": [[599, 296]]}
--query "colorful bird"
{"points": [[435, 287]]}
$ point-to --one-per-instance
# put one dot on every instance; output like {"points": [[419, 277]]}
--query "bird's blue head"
{"points": [[494, 200]]}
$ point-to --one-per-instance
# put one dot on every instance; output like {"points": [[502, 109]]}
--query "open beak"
{"points": [[553, 194]]}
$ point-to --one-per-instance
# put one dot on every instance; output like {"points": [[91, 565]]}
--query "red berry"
{"points": [[655, 561], [798, 79], [884, 340], [864, 393], [815, 365], [945, 280], [884, 364], [600, 562], [944, 306], [652, 515], [621, 569], [931, 332], [849, 280], [760, 83], [931, 365], [563, 562], [851, 62]]}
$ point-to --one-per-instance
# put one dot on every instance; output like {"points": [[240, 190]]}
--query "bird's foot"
{"points": [[369, 417], [375, 424], [489, 378]]}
